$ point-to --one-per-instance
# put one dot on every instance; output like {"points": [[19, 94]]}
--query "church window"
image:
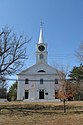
{"points": [[56, 94], [41, 56], [41, 81], [26, 81], [41, 71], [26, 94], [56, 81]]}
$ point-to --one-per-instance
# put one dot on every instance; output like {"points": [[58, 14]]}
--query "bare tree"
{"points": [[12, 51], [79, 53]]}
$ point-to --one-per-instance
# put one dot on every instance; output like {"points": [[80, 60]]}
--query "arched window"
{"points": [[26, 81], [41, 81], [41, 71], [41, 56]]}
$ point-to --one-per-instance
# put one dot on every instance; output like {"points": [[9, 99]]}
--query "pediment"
{"points": [[40, 68]]}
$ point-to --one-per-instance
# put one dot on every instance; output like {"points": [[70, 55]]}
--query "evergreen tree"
{"points": [[77, 73], [76, 76], [12, 94]]}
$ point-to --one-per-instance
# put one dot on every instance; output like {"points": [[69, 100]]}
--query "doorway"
{"points": [[41, 94]]}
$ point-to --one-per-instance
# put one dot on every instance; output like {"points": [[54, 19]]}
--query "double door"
{"points": [[41, 94]]}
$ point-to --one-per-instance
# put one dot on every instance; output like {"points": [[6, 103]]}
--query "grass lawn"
{"points": [[22, 113]]}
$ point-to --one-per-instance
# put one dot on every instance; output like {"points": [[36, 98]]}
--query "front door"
{"points": [[41, 94]]}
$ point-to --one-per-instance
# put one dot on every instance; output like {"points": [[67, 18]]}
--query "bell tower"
{"points": [[41, 48]]}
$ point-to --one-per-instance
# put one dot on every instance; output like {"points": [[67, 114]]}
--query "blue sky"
{"points": [[63, 26]]}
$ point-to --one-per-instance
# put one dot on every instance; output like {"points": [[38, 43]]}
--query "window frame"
{"points": [[56, 94], [41, 71], [26, 94], [41, 56], [26, 81], [56, 81], [41, 81]]}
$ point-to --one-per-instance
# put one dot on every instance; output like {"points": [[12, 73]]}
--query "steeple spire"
{"points": [[41, 48], [41, 40]]}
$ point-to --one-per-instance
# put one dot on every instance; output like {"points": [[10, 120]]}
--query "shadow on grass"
{"points": [[25, 112]]}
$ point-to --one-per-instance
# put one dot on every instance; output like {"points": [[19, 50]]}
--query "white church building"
{"points": [[39, 82]]}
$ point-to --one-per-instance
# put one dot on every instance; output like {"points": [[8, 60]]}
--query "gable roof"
{"points": [[39, 68]]}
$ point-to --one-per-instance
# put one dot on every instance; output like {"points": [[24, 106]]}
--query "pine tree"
{"points": [[12, 94]]}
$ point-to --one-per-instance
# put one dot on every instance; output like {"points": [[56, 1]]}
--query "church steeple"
{"points": [[41, 48], [41, 40]]}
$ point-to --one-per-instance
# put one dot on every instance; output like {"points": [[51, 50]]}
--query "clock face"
{"points": [[41, 48]]}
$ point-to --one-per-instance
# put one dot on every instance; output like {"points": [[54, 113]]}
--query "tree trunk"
{"points": [[64, 105]]}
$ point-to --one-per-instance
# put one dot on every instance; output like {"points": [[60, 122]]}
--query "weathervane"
{"points": [[41, 24]]}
